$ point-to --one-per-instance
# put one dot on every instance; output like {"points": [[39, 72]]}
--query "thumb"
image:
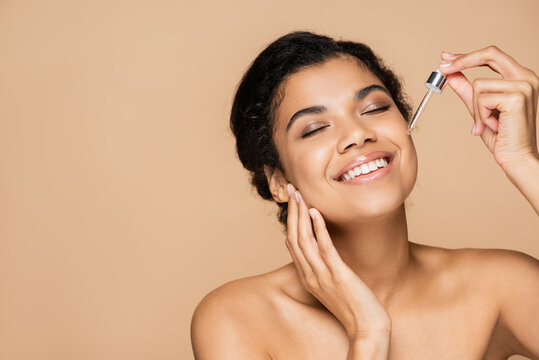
{"points": [[464, 89]]}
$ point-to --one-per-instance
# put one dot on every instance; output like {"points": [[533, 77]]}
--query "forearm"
{"points": [[525, 176], [372, 348]]}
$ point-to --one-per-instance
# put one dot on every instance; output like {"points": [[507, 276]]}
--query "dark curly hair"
{"points": [[258, 96]]}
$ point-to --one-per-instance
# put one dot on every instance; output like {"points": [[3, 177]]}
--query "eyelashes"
{"points": [[312, 132], [380, 109]]}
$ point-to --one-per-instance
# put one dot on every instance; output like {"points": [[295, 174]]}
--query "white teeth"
{"points": [[365, 168]]}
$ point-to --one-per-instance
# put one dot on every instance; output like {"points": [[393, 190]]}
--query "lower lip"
{"points": [[370, 177]]}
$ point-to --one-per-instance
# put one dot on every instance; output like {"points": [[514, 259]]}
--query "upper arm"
{"points": [[220, 328], [517, 276]]}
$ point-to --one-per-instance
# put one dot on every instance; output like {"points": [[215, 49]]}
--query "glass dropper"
{"points": [[435, 83]]}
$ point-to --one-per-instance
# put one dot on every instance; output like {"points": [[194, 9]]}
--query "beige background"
{"points": [[122, 202]]}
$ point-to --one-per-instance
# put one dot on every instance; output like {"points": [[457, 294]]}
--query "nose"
{"points": [[353, 132]]}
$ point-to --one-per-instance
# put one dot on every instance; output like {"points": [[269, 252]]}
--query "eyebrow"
{"points": [[317, 109]]}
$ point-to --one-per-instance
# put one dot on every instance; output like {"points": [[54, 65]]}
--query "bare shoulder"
{"points": [[502, 272], [498, 264], [512, 277], [486, 274], [504, 281], [494, 263], [237, 297], [226, 322]]}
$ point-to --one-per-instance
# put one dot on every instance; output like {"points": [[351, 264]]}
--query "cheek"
{"points": [[310, 163], [409, 163], [398, 124], [310, 171]]}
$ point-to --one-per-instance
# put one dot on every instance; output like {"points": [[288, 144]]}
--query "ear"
{"points": [[277, 184]]}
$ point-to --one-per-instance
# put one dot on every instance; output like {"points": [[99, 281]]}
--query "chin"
{"points": [[366, 210], [378, 209], [375, 205]]}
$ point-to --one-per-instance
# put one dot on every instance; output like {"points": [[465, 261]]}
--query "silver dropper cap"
{"points": [[436, 81]]}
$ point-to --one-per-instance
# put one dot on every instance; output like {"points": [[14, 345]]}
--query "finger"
{"points": [[486, 104], [288, 240], [504, 103], [448, 56], [478, 124], [292, 239], [463, 88], [306, 240], [499, 85], [490, 56], [489, 138], [326, 248], [295, 259], [484, 86]]}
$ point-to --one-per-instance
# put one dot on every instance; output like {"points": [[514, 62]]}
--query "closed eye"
{"points": [[382, 108], [312, 132]]}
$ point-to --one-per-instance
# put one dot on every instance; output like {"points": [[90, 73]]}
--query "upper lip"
{"points": [[363, 159]]}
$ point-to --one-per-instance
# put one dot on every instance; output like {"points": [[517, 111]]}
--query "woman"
{"points": [[322, 126]]}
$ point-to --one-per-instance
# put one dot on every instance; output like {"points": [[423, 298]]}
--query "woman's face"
{"points": [[349, 127]]}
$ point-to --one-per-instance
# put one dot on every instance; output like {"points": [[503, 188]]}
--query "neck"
{"points": [[377, 250]]}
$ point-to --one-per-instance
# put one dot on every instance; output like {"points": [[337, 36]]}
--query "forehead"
{"points": [[322, 84]]}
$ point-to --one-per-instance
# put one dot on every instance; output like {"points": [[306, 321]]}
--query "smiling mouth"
{"points": [[366, 172]]}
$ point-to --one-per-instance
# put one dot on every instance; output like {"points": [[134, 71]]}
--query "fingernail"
{"points": [[445, 64], [312, 212], [447, 54], [289, 189], [296, 195], [473, 129]]}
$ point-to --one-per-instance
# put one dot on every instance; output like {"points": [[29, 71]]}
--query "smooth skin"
{"points": [[357, 288], [324, 274]]}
